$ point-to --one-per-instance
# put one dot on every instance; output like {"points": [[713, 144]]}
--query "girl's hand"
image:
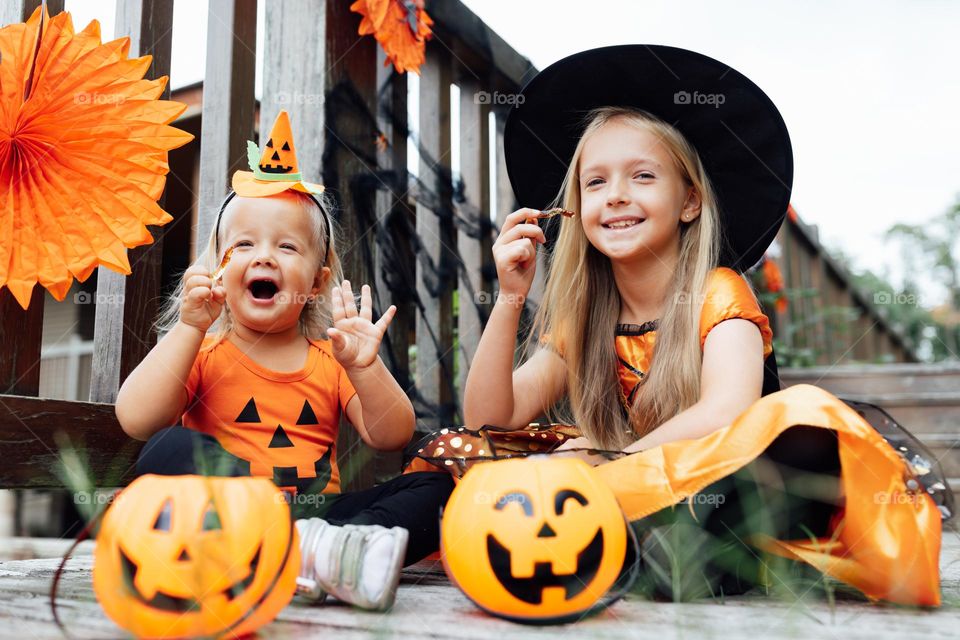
{"points": [[582, 444], [515, 251], [202, 299], [356, 338]]}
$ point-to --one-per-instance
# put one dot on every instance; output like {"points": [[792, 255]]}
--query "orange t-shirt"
{"points": [[284, 424]]}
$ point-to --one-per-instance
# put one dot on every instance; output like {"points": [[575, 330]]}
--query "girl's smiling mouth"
{"points": [[623, 222]]}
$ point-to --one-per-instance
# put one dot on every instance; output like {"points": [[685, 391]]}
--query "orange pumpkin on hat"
{"points": [[189, 556], [534, 540]]}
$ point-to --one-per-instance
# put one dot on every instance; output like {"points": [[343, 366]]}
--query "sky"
{"points": [[869, 90]]}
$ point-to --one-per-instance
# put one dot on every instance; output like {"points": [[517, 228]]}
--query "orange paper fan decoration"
{"points": [[401, 27], [83, 154]]}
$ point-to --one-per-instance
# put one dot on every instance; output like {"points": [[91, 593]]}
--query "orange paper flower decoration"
{"points": [[401, 27], [83, 154]]}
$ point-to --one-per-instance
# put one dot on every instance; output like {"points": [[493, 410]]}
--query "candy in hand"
{"points": [[223, 264], [550, 213]]}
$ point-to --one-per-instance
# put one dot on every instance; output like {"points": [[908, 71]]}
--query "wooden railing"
{"points": [[423, 243], [829, 320]]}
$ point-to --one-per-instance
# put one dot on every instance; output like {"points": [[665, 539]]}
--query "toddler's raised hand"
{"points": [[355, 337], [202, 299]]}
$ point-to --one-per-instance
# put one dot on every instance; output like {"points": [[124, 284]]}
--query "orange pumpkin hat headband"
{"points": [[277, 169], [274, 171]]}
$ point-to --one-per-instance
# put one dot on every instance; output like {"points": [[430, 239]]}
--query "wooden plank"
{"points": [[349, 164], [123, 329], [228, 104], [30, 426], [12, 11], [506, 201], [21, 334], [816, 308], [455, 21], [330, 93], [506, 204], [393, 219], [786, 266], [21, 548], [473, 213], [429, 606], [392, 191], [294, 74], [435, 231], [860, 350], [807, 304], [798, 340]]}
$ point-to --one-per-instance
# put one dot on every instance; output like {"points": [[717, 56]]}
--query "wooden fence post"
{"points": [[473, 212], [392, 216], [123, 329], [228, 104], [436, 233], [329, 89]]}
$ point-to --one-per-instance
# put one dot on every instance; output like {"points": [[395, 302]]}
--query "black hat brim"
{"points": [[741, 138]]}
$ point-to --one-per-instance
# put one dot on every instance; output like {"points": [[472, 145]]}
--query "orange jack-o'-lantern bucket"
{"points": [[189, 556], [535, 540]]}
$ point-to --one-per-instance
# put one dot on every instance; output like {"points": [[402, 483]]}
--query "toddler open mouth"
{"points": [[263, 289]]}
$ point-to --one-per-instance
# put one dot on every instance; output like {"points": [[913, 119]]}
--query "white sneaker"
{"points": [[358, 564], [307, 586]]}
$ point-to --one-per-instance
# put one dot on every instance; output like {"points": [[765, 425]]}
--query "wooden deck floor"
{"points": [[428, 606]]}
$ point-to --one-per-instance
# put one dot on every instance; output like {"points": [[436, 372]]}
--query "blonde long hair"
{"points": [[581, 305], [315, 317]]}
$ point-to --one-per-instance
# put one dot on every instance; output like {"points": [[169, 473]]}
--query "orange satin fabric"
{"points": [[887, 543]]}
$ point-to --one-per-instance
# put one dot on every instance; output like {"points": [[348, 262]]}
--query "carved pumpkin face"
{"points": [[536, 540], [187, 556], [279, 155]]}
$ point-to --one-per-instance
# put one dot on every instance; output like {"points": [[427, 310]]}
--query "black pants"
{"points": [[701, 547], [411, 501]]}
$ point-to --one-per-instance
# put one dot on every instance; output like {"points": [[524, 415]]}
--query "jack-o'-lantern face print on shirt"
{"points": [[284, 424], [290, 454]]}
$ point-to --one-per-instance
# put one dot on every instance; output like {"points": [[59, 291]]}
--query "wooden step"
{"points": [[877, 379], [918, 411], [925, 399], [932, 412], [17, 548]]}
